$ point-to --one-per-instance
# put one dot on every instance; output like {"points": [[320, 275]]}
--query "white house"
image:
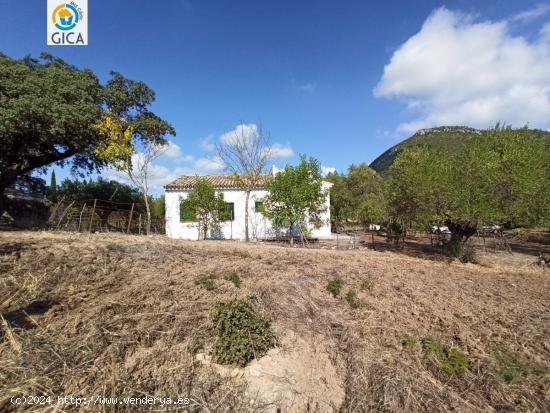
{"points": [[177, 226]]}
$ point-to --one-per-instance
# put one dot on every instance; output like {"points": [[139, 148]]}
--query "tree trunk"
{"points": [[246, 237], [460, 234], [291, 235], [148, 211]]}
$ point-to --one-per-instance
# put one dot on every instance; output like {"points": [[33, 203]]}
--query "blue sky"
{"points": [[312, 73]]}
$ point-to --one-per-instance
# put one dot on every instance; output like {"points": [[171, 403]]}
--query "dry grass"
{"points": [[114, 315]]}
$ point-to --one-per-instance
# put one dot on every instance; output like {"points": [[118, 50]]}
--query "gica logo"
{"points": [[68, 23]]}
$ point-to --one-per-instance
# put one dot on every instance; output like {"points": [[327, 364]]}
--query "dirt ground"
{"points": [[116, 316]]}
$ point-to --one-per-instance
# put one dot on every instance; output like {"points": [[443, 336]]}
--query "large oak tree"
{"points": [[52, 113]]}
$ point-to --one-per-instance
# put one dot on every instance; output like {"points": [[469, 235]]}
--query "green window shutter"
{"points": [[228, 212], [259, 207], [186, 214]]}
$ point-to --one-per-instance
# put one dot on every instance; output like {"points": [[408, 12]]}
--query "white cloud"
{"points": [[206, 143], [325, 170], [172, 150], [280, 151], [243, 131], [250, 131], [460, 71], [213, 165], [531, 14]]}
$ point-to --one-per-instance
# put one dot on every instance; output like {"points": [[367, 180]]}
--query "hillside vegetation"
{"points": [[354, 331], [445, 138]]}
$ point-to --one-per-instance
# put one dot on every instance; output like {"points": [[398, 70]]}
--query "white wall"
{"points": [[259, 226]]}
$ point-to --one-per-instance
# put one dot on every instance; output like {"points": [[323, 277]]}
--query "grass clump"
{"points": [[513, 369], [206, 281], [352, 299], [409, 341], [334, 286], [449, 359], [242, 333], [235, 279]]}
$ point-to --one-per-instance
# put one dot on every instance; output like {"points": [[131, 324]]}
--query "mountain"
{"points": [[442, 137]]}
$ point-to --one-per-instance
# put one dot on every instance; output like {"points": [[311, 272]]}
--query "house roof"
{"points": [[217, 181]]}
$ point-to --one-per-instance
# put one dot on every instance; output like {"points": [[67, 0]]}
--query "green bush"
{"points": [[335, 285], [515, 370], [242, 333], [206, 281], [449, 359], [352, 299], [235, 279]]}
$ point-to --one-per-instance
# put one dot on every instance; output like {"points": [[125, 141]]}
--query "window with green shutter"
{"points": [[259, 207], [228, 213], [186, 213]]}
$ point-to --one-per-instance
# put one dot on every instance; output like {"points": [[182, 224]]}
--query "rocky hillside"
{"points": [[445, 137]]}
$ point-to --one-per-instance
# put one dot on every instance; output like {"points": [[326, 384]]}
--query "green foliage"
{"points": [[501, 176], [447, 139], [334, 286], [158, 206], [52, 193], [187, 214], [296, 195], [50, 112], [235, 279], [208, 282], [513, 369], [84, 191], [352, 299], [242, 332], [228, 212], [447, 358], [395, 232], [358, 196], [206, 206]]}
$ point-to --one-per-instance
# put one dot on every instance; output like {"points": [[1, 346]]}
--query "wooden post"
{"points": [[92, 215], [130, 218], [80, 218]]}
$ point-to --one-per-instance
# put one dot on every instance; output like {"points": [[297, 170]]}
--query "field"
{"points": [[115, 316]]}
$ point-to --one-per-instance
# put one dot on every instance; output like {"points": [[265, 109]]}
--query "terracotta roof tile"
{"points": [[217, 181]]}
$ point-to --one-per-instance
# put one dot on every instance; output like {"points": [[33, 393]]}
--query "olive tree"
{"points": [[205, 206], [500, 176], [296, 196]]}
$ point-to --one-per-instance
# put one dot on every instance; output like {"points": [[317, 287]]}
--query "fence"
{"points": [[97, 215]]}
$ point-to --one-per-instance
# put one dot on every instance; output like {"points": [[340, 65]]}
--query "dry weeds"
{"points": [[114, 315]]}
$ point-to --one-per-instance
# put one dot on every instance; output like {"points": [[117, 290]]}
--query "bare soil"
{"points": [[116, 316]]}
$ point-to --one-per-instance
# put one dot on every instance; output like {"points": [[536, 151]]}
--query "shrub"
{"points": [[235, 279], [206, 281], [515, 370], [449, 359], [334, 286], [242, 333], [352, 299]]}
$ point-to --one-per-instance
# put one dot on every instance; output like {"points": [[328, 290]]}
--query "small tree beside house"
{"points": [[296, 196], [204, 206]]}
